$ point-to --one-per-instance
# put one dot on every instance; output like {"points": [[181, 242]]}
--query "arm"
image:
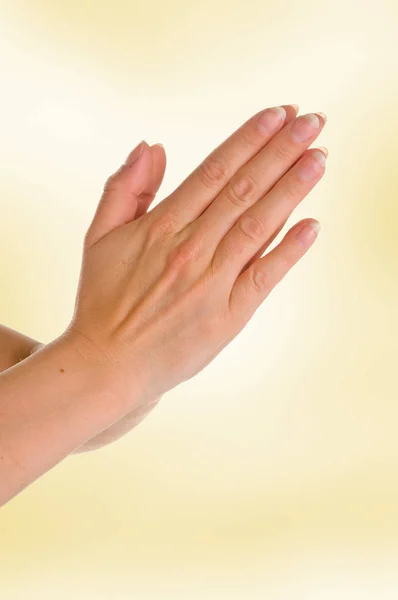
{"points": [[161, 295], [51, 403], [15, 347]]}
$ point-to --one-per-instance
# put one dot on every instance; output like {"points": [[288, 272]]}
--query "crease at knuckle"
{"points": [[183, 256], [260, 279], [160, 228], [282, 153], [249, 137], [252, 228], [242, 191], [212, 172], [291, 190]]}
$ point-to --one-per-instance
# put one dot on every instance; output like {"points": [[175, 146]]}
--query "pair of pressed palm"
{"points": [[161, 292]]}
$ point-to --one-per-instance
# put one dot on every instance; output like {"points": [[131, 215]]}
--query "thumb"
{"points": [[158, 170], [120, 197]]}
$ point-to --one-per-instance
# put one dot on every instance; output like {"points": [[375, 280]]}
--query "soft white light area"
{"points": [[272, 473]]}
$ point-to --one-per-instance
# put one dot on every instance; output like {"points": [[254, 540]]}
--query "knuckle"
{"points": [[260, 279], [207, 328], [291, 190], [183, 255], [251, 227], [282, 153], [160, 227], [249, 136], [212, 171], [242, 190]]}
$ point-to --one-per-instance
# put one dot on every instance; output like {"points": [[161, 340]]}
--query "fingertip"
{"points": [[308, 232], [159, 166], [137, 175], [291, 111], [135, 153]]}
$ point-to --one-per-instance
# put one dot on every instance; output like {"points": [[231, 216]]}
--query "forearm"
{"points": [[50, 404], [14, 347], [118, 429]]}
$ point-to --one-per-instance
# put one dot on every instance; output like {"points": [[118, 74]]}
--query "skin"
{"points": [[14, 346], [161, 291]]}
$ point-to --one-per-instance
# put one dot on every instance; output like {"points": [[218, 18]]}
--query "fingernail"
{"points": [[161, 145], [304, 127], [325, 150], [271, 119], [311, 168], [324, 117], [295, 106], [135, 154], [320, 156], [308, 233]]}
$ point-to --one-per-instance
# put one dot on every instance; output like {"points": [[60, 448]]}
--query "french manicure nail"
{"points": [[271, 118], [304, 127], [324, 150], [310, 168], [308, 233], [319, 156]]}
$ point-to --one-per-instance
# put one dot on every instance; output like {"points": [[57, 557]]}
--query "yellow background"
{"points": [[274, 472]]}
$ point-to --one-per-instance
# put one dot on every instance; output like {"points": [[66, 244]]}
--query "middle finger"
{"points": [[257, 177]]}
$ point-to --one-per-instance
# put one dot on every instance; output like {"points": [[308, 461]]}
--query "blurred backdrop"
{"points": [[274, 472]]}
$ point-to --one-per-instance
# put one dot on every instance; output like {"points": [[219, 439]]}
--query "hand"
{"points": [[154, 177], [134, 205], [161, 295]]}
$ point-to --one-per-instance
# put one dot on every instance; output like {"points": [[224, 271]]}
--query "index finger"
{"points": [[200, 188]]}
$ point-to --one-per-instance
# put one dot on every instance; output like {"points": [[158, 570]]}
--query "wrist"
{"points": [[118, 372], [64, 382], [99, 371], [51, 403]]}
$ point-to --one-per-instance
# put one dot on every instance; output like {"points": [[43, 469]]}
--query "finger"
{"points": [[210, 177], [256, 282], [118, 203], [158, 170], [257, 177], [263, 248], [261, 221], [268, 242]]}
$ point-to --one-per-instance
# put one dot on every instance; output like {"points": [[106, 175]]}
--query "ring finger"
{"points": [[261, 221], [203, 185], [256, 178]]}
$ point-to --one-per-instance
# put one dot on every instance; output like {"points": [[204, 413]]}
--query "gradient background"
{"points": [[274, 472]]}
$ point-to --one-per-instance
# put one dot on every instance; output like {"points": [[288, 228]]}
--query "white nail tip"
{"points": [[324, 150], [320, 157], [281, 111], [316, 226]]}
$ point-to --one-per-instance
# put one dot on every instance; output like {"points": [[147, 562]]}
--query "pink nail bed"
{"points": [[308, 233], [312, 165], [271, 118], [304, 127]]}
